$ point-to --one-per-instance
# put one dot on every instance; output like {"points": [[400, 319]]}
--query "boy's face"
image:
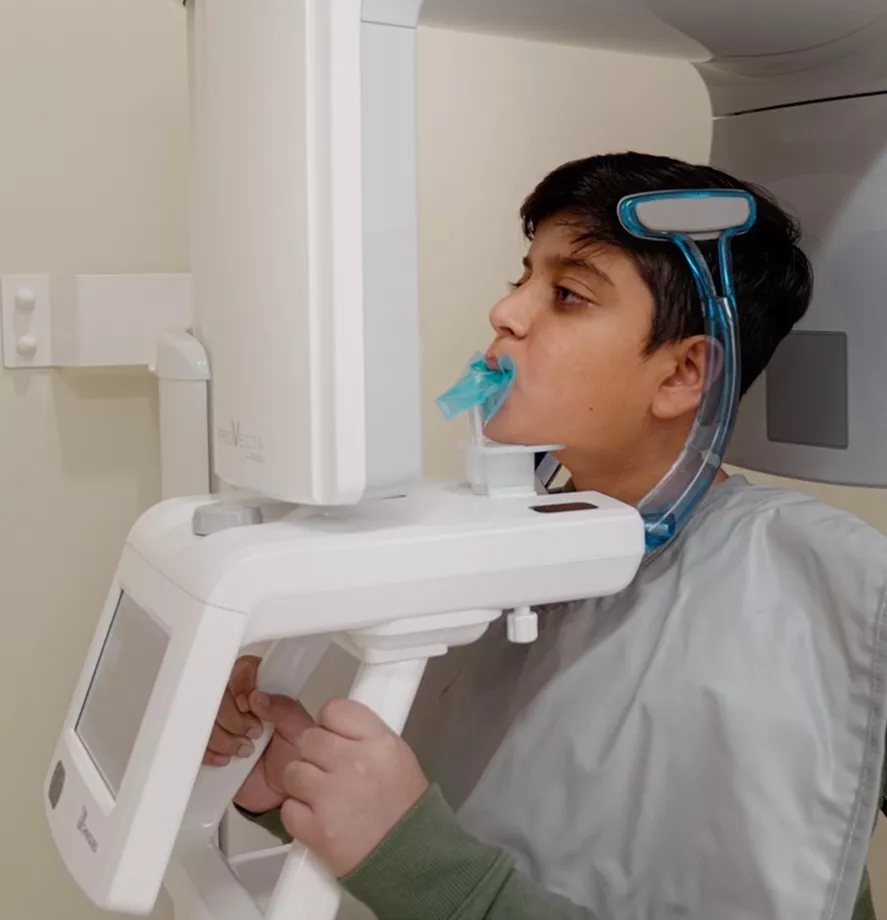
{"points": [[577, 326]]}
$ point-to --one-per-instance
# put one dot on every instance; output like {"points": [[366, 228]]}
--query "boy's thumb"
{"points": [[289, 717]]}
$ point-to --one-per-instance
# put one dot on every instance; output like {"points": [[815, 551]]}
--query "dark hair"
{"points": [[773, 277]]}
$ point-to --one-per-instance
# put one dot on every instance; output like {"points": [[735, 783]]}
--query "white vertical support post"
{"points": [[182, 369]]}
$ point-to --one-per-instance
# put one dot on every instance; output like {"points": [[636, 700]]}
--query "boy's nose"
{"points": [[513, 315]]}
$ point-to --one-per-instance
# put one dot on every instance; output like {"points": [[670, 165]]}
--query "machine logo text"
{"points": [[234, 436], [85, 831]]}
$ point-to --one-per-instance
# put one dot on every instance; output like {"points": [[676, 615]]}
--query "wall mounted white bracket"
{"points": [[118, 321], [90, 320]]}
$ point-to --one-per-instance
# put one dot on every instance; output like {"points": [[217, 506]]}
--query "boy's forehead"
{"points": [[560, 244]]}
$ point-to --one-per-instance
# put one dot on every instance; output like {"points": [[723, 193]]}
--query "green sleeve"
{"points": [[270, 821], [865, 906], [429, 868]]}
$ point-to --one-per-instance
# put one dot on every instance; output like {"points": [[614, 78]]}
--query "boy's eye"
{"points": [[564, 297]]}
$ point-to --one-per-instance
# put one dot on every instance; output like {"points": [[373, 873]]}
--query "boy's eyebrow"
{"points": [[565, 262]]}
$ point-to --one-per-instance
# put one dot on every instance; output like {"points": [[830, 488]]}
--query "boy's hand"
{"points": [[353, 782], [239, 723]]}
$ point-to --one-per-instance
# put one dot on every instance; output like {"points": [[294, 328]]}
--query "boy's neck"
{"points": [[628, 485]]}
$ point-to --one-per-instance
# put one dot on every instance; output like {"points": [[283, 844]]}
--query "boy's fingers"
{"points": [[289, 717], [304, 782], [215, 760], [322, 748], [225, 744], [352, 720], [299, 820], [243, 680], [235, 722]]}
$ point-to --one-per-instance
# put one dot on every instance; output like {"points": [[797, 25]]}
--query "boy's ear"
{"points": [[681, 389]]}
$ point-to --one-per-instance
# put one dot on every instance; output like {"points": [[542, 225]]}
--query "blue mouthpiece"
{"points": [[479, 386]]}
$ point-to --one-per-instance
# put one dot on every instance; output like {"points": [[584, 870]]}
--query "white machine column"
{"points": [[304, 244]]}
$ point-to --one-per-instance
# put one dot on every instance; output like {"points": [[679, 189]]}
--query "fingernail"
{"points": [[245, 750], [242, 703], [264, 700], [254, 733]]}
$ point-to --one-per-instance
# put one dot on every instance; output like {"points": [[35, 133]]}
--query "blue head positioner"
{"points": [[682, 218]]}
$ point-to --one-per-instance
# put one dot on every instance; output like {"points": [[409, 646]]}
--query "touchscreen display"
{"points": [[120, 689]]}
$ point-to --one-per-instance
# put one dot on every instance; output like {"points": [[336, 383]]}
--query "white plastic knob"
{"points": [[522, 626], [26, 346], [25, 300]]}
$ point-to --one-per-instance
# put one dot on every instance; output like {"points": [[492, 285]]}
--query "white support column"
{"points": [[182, 369]]}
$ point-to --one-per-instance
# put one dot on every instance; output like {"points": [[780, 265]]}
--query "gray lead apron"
{"points": [[706, 745]]}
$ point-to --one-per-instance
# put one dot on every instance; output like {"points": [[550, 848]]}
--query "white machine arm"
{"points": [[394, 581]]}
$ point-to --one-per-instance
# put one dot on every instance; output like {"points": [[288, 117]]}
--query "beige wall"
{"points": [[92, 179]]}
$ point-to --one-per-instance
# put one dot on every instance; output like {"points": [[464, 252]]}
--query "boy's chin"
{"points": [[500, 431], [497, 431]]}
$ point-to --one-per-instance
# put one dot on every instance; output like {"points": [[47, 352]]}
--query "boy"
{"points": [[706, 744]]}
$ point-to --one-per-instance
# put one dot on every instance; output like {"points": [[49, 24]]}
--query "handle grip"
{"points": [[284, 670], [306, 889], [289, 663]]}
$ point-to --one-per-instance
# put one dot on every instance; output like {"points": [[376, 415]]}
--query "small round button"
{"points": [[25, 300], [26, 346]]}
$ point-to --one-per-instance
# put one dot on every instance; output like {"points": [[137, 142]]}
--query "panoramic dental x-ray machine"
{"points": [[304, 271]]}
